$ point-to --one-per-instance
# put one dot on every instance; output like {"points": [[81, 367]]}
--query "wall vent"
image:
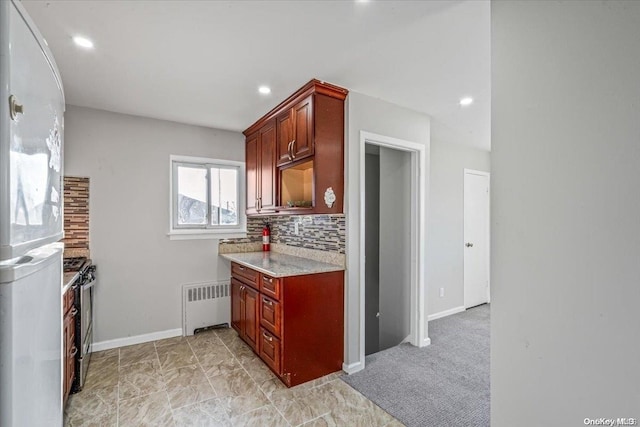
{"points": [[204, 305]]}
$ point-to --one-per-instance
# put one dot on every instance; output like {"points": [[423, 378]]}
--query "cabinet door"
{"points": [[236, 299], [284, 132], [303, 129], [251, 317], [267, 196], [251, 154]]}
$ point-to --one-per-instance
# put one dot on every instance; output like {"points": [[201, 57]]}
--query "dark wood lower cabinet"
{"points": [[296, 326], [68, 339], [244, 312]]}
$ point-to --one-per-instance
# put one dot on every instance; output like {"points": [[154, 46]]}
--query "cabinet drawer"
{"points": [[270, 315], [245, 274], [270, 286], [270, 350]]}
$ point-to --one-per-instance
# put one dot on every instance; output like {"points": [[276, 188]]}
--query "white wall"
{"points": [[140, 270], [566, 212], [395, 247], [445, 251], [383, 118]]}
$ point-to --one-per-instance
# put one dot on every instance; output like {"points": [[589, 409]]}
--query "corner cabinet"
{"points": [[295, 324], [295, 154]]}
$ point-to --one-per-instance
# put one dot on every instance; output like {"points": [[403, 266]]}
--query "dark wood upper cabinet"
{"points": [[260, 156], [301, 139], [295, 132]]}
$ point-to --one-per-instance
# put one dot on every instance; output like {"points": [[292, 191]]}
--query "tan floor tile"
{"points": [[140, 379], [105, 353], [204, 340], [208, 413], [349, 407], [176, 356], [98, 404], [103, 372], [187, 385], [238, 405], [170, 341], [394, 423], [226, 334], [219, 364], [267, 416], [300, 406], [258, 370], [323, 421], [109, 419], [137, 353], [234, 383], [150, 410]]}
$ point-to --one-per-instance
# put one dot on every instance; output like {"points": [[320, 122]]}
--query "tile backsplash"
{"points": [[76, 216], [318, 232]]}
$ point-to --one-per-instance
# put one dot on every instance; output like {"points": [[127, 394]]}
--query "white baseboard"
{"points": [[138, 339], [352, 368], [446, 313], [426, 342]]}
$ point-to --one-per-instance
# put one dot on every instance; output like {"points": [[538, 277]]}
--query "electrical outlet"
{"points": [[296, 228], [441, 292]]}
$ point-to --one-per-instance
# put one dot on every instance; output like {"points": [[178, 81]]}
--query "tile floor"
{"points": [[209, 379]]}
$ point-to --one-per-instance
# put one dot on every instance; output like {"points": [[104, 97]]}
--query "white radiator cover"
{"points": [[205, 304]]}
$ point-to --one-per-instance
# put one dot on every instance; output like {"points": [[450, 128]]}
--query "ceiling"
{"points": [[201, 62]]}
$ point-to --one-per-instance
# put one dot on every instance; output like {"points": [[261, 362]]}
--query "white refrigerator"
{"points": [[31, 201]]}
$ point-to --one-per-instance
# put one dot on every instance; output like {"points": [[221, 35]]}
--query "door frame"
{"points": [[464, 238], [418, 325]]}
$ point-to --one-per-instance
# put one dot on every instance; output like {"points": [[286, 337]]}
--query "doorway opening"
{"points": [[387, 247], [413, 156]]}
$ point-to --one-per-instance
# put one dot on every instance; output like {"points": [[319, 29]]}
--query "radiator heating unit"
{"points": [[205, 305]]}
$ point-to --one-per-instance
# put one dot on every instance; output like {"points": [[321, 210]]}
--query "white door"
{"points": [[476, 238]]}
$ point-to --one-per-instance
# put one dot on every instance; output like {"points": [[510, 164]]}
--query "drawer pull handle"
{"points": [[240, 268], [268, 279], [266, 301], [74, 351], [267, 337], [73, 312]]}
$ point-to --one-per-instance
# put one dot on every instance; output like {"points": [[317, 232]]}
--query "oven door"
{"points": [[86, 311]]}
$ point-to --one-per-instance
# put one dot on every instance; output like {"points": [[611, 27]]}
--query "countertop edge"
{"points": [[67, 285], [330, 269]]}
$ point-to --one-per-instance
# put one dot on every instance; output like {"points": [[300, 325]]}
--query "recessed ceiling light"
{"points": [[265, 90], [362, 1], [83, 42], [466, 101]]}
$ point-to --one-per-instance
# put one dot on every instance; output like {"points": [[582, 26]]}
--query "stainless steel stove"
{"points": [[84, 286]]}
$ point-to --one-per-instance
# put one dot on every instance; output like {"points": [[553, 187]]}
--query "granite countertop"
{"points": [[68, 279], [277, 264]]}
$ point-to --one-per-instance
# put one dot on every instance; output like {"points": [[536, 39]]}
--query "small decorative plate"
{"points": [[329, 197]]}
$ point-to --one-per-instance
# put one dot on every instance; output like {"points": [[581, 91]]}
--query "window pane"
{"points": [[215, 196], [227, 196], [192, 195]]}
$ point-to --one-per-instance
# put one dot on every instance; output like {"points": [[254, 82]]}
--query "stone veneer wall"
{"points": [[316, 232], [76, 216]]}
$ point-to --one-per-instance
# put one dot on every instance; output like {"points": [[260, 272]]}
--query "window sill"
{"points": [[206, 234]]}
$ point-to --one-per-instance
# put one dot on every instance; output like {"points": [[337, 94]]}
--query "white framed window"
{"points": [[207, 198]]}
